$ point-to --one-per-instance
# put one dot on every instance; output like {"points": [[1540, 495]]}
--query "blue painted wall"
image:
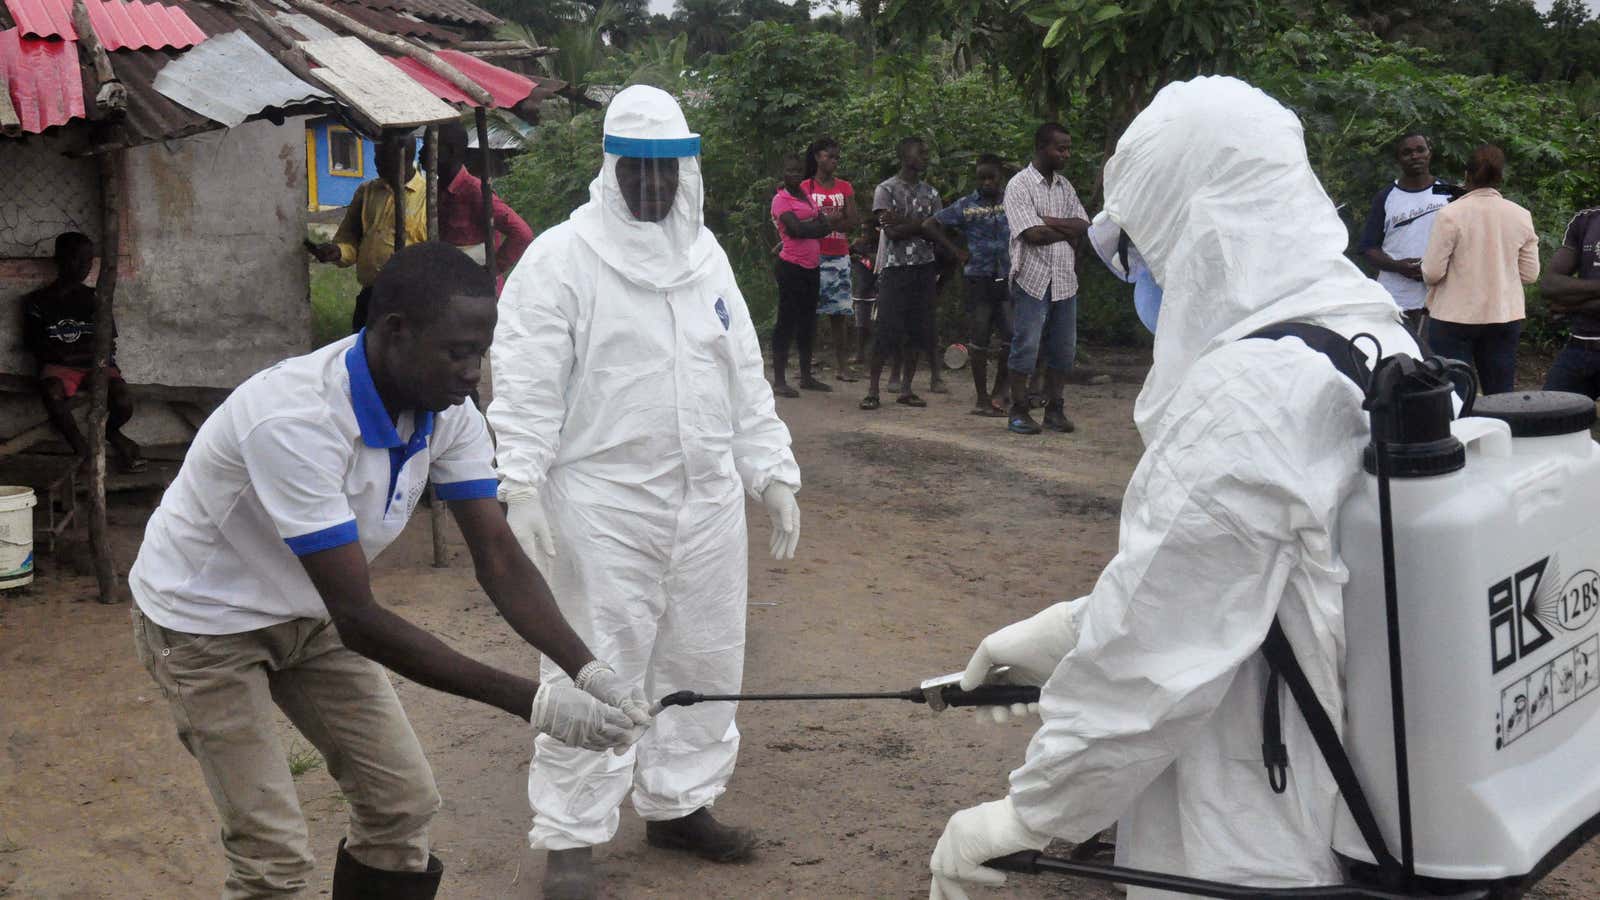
{"points": [[331, 189]]}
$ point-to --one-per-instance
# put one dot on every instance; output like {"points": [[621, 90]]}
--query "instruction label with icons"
{"points": [[1544, 645]]}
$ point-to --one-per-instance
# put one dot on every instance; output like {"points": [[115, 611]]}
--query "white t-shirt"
{"points": [[1400, 222], [302, 457]]}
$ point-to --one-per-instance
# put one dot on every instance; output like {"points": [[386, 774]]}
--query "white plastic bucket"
{"points": [[16, 536]]}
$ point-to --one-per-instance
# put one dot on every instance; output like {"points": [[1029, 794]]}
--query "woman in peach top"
{"points": [[1482, 251]]}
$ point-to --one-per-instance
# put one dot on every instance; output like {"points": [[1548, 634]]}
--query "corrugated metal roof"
{"points": [[506, 87], [392, 22], [440, 10], [136, 26], [307, 28], [119, 25], [152, 116], [44, 81], [376, 90], [43, 18], [230, 78]]}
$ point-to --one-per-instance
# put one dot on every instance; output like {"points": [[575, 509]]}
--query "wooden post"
{"points": [[430, 166], [482, 117], [111, 163], [398, 189], [110, 96]]}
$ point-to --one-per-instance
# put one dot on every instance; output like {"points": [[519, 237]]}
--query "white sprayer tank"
{"points": [[1498, 575]]}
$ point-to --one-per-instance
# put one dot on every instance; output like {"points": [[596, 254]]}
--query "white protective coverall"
{"points": [[629, 395], [1152, 718]]}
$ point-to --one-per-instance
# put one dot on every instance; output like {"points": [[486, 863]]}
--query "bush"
{"points": [[1355, 108]]}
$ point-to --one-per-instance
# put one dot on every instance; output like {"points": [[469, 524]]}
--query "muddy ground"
{"points": [[923, 531]]}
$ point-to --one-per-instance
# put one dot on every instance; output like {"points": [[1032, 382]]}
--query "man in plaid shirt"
{"points": [[1047, 222]]}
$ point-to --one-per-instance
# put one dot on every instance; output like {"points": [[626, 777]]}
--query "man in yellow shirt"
{"points": [[365, 238]]}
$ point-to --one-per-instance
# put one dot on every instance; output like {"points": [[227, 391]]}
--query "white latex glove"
{"points": [[973, 837], [577, 719], [525, 514], [785, 514], [1032, 648], [602, 682]]}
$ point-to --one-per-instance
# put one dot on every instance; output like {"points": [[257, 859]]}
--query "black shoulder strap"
{"points": [[1344, 356], [1351, 363], [1280, 656]]}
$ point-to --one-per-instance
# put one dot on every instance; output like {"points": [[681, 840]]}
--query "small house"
{"points": [[174, 135], [338, 160]]}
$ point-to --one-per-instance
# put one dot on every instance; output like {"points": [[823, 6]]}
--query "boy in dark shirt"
{"points": [[981, 218], [1571, 286], [58, 329]]}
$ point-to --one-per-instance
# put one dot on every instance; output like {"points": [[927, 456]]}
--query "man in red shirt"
{"points": [[461, 207]]}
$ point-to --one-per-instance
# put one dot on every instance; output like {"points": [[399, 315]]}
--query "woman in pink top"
{"points": [[1481, 252], [801, 226]]}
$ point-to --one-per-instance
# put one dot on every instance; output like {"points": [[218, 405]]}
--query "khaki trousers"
{"points": [[222, 688]]}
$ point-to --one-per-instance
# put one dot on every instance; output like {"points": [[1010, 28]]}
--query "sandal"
{"points": [[870, 401], [784, 390], [938, 387], [811, 384], [846, 375], [911, 400]]}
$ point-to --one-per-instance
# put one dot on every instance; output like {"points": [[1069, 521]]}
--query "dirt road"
{"points": [[923, 531]]}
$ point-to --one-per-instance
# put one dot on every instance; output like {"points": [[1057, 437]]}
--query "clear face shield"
{"points": [[1117, 251], [649, 186]]}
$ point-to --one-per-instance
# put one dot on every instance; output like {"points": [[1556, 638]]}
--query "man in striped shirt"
{"points": [[1047, 223]]}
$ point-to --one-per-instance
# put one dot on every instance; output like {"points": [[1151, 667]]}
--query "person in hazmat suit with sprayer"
{"points": [[632, 416], [1153, 684]]}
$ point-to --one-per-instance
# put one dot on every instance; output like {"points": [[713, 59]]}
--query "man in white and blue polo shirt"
{"points": [[252, 586]]}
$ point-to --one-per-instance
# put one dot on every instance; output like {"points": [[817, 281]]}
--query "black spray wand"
{"points": [[937, 693]]}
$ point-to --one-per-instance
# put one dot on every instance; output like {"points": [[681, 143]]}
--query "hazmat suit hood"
{"points": [[1212, 184], [645, 122]]}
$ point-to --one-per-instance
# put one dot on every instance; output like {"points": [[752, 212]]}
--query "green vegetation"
{"points": [[975, 76], [303, 759], [333, 299]]}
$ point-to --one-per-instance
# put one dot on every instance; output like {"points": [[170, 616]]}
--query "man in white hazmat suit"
{"points": [[632, 415], [1153, 684]]}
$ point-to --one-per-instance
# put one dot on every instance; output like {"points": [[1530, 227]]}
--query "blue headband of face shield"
{"points": [[653, 148]]}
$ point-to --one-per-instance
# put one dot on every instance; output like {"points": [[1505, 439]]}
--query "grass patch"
{"points": [[333, 298], [303, 759]]}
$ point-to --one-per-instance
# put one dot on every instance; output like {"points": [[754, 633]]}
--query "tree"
{"points": [[1112, 54], [710, 24]]}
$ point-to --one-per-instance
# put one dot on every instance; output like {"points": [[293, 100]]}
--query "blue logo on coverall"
{"points": [[722, 313]]}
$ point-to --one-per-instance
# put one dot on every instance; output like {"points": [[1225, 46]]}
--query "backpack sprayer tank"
{"points": [[1496, 550]]}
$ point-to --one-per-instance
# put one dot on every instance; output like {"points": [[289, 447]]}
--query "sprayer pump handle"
{"points": [[1023, 862], [991, 695], [678, 698]]}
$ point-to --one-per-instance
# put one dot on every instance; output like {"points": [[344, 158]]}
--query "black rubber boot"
{"points": [[700, 834], [569, 874], [1055, 417], [1020, 422], [355, 880]]}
